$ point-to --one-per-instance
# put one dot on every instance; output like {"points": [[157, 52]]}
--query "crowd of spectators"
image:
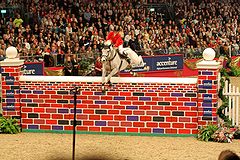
{"points": [[61, 28]]}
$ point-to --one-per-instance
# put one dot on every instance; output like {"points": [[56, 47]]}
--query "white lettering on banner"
{"points": [[10, 106], [139, 65], [167, 63], [30, 71]]}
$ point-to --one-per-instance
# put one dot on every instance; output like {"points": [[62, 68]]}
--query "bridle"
{"points": [[108, 50]]}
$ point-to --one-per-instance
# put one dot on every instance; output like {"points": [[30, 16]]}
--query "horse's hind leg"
{"points": [[113, 72]]}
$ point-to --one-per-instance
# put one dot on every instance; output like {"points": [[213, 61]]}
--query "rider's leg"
{"points": [[121, 51]]}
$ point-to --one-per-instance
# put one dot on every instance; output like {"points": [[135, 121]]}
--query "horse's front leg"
{"points": [[113, 72], [103, 74]]}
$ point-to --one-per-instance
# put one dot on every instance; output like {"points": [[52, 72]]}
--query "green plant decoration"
{"points": [[225, 73], [205, 134], [9, 125]]}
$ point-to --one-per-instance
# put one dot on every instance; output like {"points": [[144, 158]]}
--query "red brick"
{"points": [[181, 108], [106, 106], [170, 99], [131, 98], [157, 107], [88, 111], [31, 96], [94, 97], [113, 123], [106, 117], [138, 112], [184, 119], [113, 93], [126, 112], [113, 111], [87, 93], [164, 125], [81, 128], [190, 125], [56, 105], [106, 98], [45, 127], [51, 121], [125, 93], [57, 116], [88, 123], [112, 102], [152, 124], [151, 103], [9, 70], [138, 103], [145, 118], [68, 128], [28, 121], [120, 118], [202, 77], [119, 129], [50, 92], [107, 129], [118, 107], [170, 108], [132, 130], [171, 119], [164, 113], [184, 131], [41, 110], [138, 124], [94, 129], [81, 97], [85, 101], [164, 94], [39, 121], [82, 117], [184, 99], [177, 103], [188, 113], [39, 101], [94, 117], [152, 112], [26, 109], [94, 106], [51, 110], [125, 102], [126, 124], [44, 115], [178, 125], [194, 131], [145, 107], [151, 94], [145, 130], [50, 101], [56, 96]]}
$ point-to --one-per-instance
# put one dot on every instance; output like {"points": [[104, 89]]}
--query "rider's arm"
{"points": [[118, 42], [109, 37]]}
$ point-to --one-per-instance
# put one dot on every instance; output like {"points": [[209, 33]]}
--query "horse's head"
{"points": [[107, 49]]}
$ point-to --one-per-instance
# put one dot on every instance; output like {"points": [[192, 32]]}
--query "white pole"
{"points": [[233, 106], [237, 108], [229, 102], [226, 92]]}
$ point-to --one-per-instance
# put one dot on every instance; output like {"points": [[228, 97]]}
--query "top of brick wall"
{"points": [[114, 79]]}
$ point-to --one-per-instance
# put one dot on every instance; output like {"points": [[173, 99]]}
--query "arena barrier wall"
{"points": [[154, 106]]}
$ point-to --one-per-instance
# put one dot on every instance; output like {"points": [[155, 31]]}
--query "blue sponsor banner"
{"points": [[33, 68], [9, 93], [9, 80], [160, 63]]}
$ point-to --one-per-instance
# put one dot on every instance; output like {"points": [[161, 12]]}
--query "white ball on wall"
{"points": [[11, 52], [209, 54]]}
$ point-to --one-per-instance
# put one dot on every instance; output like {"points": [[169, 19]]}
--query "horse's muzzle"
{"points": [[103, 59]]}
